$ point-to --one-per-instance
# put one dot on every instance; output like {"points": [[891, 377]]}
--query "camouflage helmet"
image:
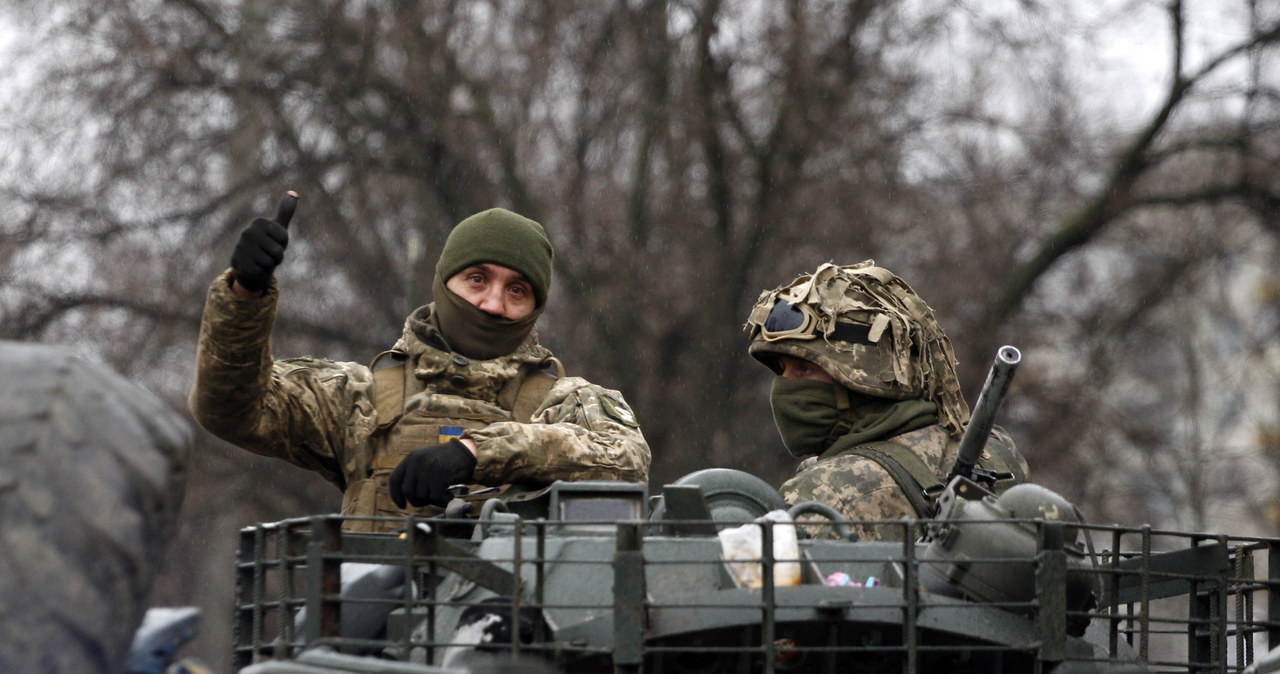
{"points": [[866, 328]]}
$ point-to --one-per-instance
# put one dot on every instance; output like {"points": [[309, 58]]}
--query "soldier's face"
{"points": [[795, 368], [494, 289]]}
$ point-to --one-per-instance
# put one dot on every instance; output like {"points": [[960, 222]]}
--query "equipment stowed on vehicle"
{"points": [[600, 576]]}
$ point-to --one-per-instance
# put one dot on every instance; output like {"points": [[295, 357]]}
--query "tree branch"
{"points": [[1116, 196]]}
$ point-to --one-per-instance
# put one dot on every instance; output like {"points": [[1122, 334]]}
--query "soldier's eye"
{"points": [[520, 290]]}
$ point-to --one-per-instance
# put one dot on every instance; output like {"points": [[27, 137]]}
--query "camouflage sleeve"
{"points": [[305, 411], [580, 432], [858, 489]]}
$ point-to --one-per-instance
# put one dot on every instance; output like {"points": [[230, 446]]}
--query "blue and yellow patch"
{"points": [[448, 433]]}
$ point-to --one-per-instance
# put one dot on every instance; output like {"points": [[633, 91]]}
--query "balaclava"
{"points": [[893, 366], [500, 237]]}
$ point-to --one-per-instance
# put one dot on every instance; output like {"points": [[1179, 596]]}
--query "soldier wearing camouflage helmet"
{"points": [[866, 394], [467, 395]]}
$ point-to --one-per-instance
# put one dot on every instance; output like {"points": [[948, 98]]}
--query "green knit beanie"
{"points": [[502, 237]]}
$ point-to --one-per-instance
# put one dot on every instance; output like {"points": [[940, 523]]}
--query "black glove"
{"points": [[261, 247], [424, 476]]}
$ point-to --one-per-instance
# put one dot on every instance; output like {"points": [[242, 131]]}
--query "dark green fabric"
{"points": [[810, 421], [426, 326], [891, 419], [805, 412], [474, 333], [502, 237]]}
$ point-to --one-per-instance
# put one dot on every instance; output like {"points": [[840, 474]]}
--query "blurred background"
{"points": [[1095, 183]]}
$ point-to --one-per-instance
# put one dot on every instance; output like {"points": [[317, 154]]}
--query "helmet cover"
{"points": [[866, 328]]}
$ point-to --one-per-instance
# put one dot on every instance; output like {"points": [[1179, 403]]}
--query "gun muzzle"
{"points": [[984, 412]]}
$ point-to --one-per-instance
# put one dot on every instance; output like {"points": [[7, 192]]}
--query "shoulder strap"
{"points": [[390, 374], [907, 469], [534, 387]]}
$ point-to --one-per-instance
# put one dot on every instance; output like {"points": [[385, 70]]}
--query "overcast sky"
{"points": [[1134, 55]]}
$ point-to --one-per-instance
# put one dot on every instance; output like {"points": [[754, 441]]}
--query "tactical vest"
{"points": [[919, 483], [411, 416]]}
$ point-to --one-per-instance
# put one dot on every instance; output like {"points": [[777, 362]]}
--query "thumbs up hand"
{"points": [[261, 248]]}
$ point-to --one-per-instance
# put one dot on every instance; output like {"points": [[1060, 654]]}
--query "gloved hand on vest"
{"points": [[424, 476], [261, 247]]}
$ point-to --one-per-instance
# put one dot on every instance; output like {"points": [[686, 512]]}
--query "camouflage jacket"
{"points": [[324, 415], [860, 488]]}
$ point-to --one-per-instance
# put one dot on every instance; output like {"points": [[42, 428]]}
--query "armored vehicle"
{"points": [[716, 574], [598, 577]]}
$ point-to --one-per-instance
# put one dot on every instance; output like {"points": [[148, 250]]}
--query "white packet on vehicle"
{"points": [[742, 549]]}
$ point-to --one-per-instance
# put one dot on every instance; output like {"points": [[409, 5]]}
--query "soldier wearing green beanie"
{"points": [[498, 235], [465, 397], [502, 238]]}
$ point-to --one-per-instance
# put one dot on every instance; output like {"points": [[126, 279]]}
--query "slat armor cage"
{"points": [[646, 596]]}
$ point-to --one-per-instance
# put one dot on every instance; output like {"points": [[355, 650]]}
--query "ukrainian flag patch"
{"points": [[448, 433]]}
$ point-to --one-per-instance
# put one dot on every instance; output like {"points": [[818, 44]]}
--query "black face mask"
{"points": [[474, 333], [806, 413]]}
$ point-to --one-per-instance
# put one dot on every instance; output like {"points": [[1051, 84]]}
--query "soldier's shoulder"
{"points": [[322, 367], [577, 387], [845, 482], [845, 467], [309, 361], [932, 440], [598, 400]]}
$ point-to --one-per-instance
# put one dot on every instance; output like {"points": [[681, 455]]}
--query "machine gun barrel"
{"points": [[984, 412]]}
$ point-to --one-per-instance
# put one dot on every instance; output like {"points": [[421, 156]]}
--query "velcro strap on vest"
{"points": [[907, 469]]}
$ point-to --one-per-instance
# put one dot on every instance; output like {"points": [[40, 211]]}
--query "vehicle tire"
{"points": [[92, 469]]}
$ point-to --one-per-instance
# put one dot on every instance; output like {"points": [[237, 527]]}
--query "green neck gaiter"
{"points": [[882, 420], [809, 418], [474, 333], [806, 414]]}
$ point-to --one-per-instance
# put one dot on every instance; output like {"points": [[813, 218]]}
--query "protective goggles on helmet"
{"points": [[800, 321], [789, 321]]}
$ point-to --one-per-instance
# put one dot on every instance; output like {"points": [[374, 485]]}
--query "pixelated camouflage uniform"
{"points": [[328, 416], [874, 335], [861, 489]]}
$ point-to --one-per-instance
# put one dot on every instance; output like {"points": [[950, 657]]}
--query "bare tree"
{"points": [[684, 155]]}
